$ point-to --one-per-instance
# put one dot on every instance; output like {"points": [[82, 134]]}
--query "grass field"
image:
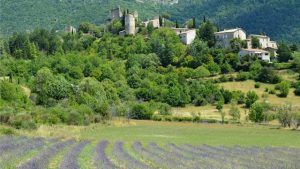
{"points": [[210, 111], [173, 132]]}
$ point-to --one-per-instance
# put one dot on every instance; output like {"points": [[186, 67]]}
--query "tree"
{"points": [[219, 107], [10, 92], [297, 89], [251, 98], [167, 45], [84, 27], [294, 47], [177, 25], [206, 33], [194, 22], [284, 53], [141, 111], [237, 44], [268, 75], [284, 88], [258, 112], [285, 115], [235, 113], [255, 42]]}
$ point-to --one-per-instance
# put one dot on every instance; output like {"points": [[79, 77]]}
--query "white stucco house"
{"points": [[224, 37], [261, 54], [186, 35], [264, 41]]}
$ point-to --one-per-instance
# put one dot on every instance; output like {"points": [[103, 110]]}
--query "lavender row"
{"points": [[23, 149], [70, 160], [42, 160], [101, 160], [12, 144], [124, 157]]}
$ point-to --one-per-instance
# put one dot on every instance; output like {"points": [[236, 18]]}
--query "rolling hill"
{"points": [[278, 18]]}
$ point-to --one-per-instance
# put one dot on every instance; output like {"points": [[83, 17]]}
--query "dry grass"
{"points": [[273, 99], [210, 112]]}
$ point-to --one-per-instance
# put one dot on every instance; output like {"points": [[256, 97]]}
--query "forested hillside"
{"points": [[278, 18]]}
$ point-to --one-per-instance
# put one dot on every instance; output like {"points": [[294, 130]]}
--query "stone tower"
{"points": [[130, 24], [115, 13]]}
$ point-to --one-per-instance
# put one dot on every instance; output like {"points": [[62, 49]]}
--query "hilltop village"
{"points": [[264, 50]]}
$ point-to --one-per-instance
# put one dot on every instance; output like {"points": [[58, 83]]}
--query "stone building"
{"points": [[115, 14], [223, 38], [70, 29], [186, 35], [154, 22]]}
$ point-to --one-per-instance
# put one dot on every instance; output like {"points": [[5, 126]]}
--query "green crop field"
{"points": [[173, 132]]}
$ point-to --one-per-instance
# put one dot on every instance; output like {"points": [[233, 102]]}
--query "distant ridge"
{"points": [[278, 18]]}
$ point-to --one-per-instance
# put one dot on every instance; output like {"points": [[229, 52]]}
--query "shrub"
{"points": [[272, 91], [285, 115], [268, 75], [235, 113], [251, 98], [257, 85], [4, 117], [238, 96], [258, 112], [243, 76], [7, 131], [22, 121], [284, 88], [10, 91], [297, 89], [75, 118], [201, 72], [141, 112]]}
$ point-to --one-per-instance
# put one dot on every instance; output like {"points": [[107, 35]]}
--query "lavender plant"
{"points": [[70, 160], [41, 161], [101, 160]]}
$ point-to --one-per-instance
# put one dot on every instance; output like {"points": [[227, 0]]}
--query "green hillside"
{"points": [[278, 18]]}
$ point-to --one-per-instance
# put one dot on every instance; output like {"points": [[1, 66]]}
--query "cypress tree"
{"points": [[177, 25], [194, 22]]}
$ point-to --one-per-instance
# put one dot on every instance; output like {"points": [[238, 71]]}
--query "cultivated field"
{"points": [[38, 153]]}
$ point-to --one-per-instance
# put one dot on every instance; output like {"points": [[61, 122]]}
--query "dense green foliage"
{"points": [[81, 78], [253, 16]]}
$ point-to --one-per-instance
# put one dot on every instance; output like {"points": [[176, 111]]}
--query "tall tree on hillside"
{"points": [[194, 22], [284, 53], [177, 25], [206, 33]]}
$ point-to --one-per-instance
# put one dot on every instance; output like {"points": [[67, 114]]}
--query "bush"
{"points": [[141, 112], [22, 121], [272, 91], [257, 85], [7, 131], [284, 88], [258, 112], [75, 118], [235, 113], [4, 117], [268, 75], [285, 115], [251, 98], [243, 76], [10, 91], [297, 89], [238, 96]]}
